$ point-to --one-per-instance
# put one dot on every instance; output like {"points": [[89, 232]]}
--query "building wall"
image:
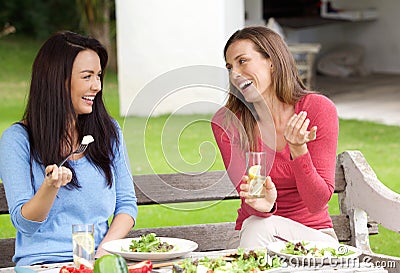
{"points": [[162, 45], [167, 51], [380, 38]]}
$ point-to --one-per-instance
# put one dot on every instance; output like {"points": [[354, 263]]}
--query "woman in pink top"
{"points": [[269, 109]]}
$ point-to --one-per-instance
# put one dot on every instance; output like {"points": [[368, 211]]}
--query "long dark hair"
{"points": [[49, 113], [285, 78]]}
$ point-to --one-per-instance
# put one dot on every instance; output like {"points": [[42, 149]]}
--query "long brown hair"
{"points": [[285, 80]]}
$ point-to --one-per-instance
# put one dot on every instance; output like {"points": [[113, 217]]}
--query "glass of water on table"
{"points": [[257, 173], [83, 244]]}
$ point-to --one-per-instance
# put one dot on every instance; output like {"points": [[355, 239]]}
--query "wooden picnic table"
{"points": [[357, 266]]}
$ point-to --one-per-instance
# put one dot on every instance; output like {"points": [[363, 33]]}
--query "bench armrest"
{"points": [[366, 196]]}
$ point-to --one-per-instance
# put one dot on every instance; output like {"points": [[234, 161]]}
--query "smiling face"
{"points": [[250, 71], [85, 81]]}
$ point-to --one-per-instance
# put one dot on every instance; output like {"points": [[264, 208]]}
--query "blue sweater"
{"points": [[94, 202]]}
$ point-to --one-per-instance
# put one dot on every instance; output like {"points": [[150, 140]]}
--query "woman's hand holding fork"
{"points": [[59, 177]]}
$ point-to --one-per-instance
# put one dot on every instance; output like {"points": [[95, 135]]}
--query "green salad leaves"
{"points": [[306, 249], [242, 262], [150, 243]]}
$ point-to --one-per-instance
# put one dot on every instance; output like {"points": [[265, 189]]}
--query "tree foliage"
{"points": [[98, 18], [39, 18]]}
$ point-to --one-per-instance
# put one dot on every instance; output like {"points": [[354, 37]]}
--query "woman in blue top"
{"points": [[65, 103]]}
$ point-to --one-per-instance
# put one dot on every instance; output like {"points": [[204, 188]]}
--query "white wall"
{"points": [[161, 47], [380, 38], [254, 12]]}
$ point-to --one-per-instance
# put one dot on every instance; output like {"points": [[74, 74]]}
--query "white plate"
{"points": [[277, 247], [181, 248]]}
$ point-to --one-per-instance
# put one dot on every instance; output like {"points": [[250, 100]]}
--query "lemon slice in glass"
{"points": [[85, 241], [254, 171], [78, 261], [256, 186]]}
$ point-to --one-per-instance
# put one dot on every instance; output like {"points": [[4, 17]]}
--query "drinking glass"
{"points": [[256, 171], [83, 244]]}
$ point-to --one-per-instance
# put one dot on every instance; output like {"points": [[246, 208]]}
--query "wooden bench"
{"points": [[361, 197]]}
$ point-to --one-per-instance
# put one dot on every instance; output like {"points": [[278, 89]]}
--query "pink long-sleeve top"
{"points": [[305, 184]]}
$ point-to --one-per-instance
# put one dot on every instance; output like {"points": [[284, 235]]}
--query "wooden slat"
{"points": [[340, 181], [3, 200], [176, 188], [217, 236], [7, 247], [372, 228], [214, 185], [390, 263], [208, 236], [341, 225]]}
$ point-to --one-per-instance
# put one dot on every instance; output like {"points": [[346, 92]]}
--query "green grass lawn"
{"points": [[170, 144]]}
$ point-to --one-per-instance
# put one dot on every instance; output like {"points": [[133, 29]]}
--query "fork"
{"points": [[282, 239], [81, 149], [298, 246]]}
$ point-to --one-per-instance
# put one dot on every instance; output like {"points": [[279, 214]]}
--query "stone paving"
{"points": [[376, 99], [382, 107]]}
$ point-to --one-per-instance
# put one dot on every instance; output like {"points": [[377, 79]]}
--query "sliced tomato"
{"points": [[142, 267], [71, 269]]}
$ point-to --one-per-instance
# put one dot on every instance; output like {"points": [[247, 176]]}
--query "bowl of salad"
{"points": [[314, 252], [150, 247]]}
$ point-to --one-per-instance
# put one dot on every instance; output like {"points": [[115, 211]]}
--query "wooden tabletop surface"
{"points": [[334, 268]]}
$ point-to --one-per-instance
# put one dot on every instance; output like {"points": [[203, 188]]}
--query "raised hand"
{"points": [[296, 133]]}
